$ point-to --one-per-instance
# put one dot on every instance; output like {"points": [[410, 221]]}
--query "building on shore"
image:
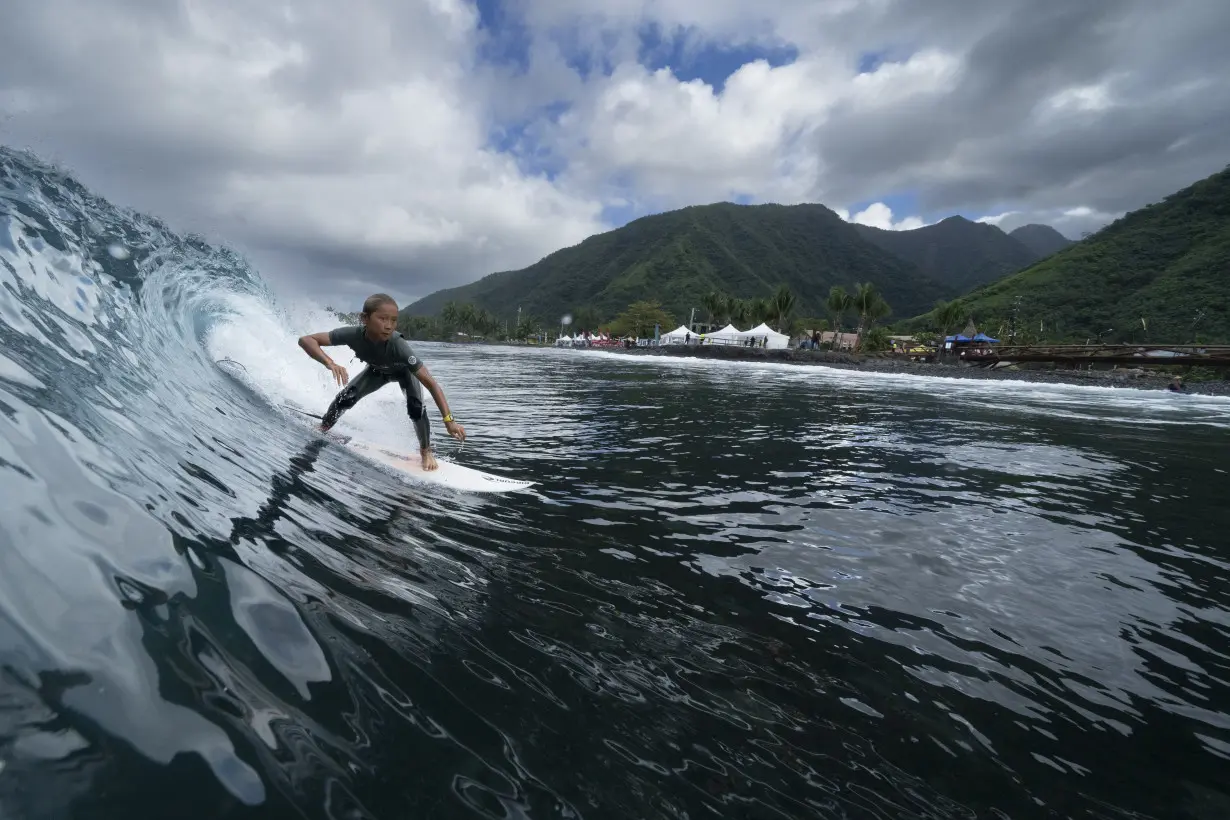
{"points": [[840, 341]]}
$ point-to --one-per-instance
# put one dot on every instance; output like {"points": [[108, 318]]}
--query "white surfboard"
{"points": [[448, 473], [407, 466], [410, 466]]}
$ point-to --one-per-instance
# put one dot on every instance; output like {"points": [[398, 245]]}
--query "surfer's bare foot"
{"points": [[429, 460]]}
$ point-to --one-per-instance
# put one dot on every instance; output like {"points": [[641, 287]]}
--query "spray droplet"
{"points": [[118, 251]]}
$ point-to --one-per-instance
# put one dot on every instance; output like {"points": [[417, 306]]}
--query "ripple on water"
{"points": [[736, 590]]}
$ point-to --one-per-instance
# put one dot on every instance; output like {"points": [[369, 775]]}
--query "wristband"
{"points": [[448, 418]]}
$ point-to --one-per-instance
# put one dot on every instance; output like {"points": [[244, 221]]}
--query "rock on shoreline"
{"points": [[1136, 378]]}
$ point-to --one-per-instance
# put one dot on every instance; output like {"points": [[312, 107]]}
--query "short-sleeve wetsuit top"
{"points": [[385, 357]]}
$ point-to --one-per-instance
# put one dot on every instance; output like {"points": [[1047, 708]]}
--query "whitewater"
{"points": [[120, 430], [738, 590]]}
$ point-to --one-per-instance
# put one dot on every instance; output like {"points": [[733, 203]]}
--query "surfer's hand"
{"points": [[429, 460], [339, 373], [455, 430]]}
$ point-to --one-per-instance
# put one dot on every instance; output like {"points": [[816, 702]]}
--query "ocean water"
{"points": [[736, 590]]}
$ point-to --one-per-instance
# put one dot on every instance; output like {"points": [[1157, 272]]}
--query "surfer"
{"points": [[389, 357]]}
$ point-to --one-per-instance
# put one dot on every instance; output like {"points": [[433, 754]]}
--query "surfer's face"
{"points": [[382, 322]]}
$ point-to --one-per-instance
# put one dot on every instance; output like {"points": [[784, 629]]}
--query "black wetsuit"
{"points": [[393, 360]]}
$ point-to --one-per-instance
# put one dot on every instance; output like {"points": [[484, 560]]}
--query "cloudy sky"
{"points": [[406, 145]]}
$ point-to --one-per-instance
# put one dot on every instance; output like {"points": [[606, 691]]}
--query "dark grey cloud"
{"points": [[351, 151], [272, 125], [986, 143]]}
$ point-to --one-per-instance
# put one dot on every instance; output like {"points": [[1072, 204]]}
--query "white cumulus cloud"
{"points": [[413, 145]]}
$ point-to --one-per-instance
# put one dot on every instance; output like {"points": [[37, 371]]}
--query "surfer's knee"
{"points": [[347, 398], [342, 402]]}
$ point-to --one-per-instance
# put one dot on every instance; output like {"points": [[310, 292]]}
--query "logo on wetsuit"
{"points": [[412, 361]]}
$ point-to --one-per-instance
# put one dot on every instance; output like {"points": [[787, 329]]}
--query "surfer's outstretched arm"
{"points": [[312, 344], [433, 387]]}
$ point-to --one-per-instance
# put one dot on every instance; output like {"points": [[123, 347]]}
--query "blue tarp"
{"points": [[981, 337]]}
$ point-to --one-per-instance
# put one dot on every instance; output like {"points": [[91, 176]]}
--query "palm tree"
{"points": [[759, 310], [946, 316], [529, 326], [586, 318], [714, 302], [450, 314], [466, 317], [739, 311], [839, 304], [870, 306], [484, 323], [783, 306]]}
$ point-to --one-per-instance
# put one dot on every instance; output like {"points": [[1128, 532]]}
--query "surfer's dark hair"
{"points": [[374, 302]]}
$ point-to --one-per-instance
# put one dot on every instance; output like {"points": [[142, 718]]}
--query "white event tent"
{"points": [[728, 334], [679, 334], [763, 331]]}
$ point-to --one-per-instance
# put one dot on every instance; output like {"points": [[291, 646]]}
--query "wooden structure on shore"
{"points": [[1139, 355]]}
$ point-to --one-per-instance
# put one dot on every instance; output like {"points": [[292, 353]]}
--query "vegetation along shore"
{"points": [[1156, 276]]}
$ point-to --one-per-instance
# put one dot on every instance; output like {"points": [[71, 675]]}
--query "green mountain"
{"points": [[1168, 263], [955, 252], [676, 257], [1043, 240]]}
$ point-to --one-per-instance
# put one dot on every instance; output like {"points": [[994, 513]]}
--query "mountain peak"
{"points": [[956, 251], [1041, 239], [1157, 274], [677, 257]]}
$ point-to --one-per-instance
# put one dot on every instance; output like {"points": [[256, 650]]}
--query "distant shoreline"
{"points": [[1123, 377]]}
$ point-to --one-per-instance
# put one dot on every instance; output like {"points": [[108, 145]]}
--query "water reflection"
{"points": [[833, 609]]}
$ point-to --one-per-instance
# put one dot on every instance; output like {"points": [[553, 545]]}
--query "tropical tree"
{"points": [[483, 323], [714, 303], [783, 306], [874, 340], [995, 326], [586, 318], [839, 304], [870, 307], [947, 316], [466, 317], [420, 327], [451, 314], [740, 311], [639, 319], [759, 310], [528, 326]]}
